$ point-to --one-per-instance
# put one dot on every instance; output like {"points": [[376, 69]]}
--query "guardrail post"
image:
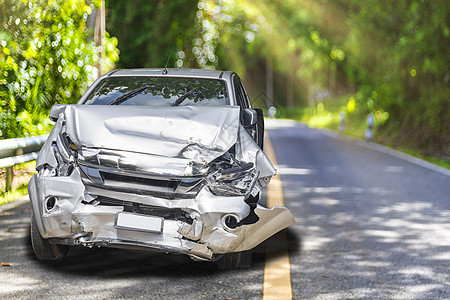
{"points": [[18, 151], [10, 172], [341, 121], [369, 129], [9, 178], [271, 112]]}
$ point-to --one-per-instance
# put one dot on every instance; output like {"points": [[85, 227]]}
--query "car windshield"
{"points": [[159, 91]]}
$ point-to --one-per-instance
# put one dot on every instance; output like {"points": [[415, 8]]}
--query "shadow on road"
{"points": [[100, 273], [110, 262], [116, 263]]}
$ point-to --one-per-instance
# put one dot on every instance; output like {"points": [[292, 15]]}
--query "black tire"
{"points": [[42, 247], [229, 261]]}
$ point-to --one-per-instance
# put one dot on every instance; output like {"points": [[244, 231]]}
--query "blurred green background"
{"points": [[312, 60]]}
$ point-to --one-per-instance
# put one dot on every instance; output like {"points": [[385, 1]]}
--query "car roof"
{"points": [[171, 72]]}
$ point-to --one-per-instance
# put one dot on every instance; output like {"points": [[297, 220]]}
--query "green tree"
{"points": [[46, 57], [390, 59], [150, 31]]}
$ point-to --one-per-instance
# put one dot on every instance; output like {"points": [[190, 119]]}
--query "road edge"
{"points": [[15, 203], [362, 143], [386, 150]]}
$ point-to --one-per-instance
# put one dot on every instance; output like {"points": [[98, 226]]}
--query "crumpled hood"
{"points": [[197, 133]]}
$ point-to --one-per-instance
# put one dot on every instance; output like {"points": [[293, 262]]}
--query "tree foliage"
{"points": [[46, 57], [403, 60], [390, 59], [150, 31]]}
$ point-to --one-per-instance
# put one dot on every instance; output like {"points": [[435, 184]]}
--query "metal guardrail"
{"points": [[18, 151]]}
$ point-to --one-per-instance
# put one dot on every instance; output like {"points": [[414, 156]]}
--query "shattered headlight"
{"points": [[66, 153], [235, 181]]}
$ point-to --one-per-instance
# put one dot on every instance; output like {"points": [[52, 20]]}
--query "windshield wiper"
{"points": [[128, 95], [182, 98]]}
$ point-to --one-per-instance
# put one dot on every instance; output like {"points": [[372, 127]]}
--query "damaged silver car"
{"points": [[160, 160]]}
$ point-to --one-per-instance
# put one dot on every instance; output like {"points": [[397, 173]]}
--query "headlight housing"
{"points": [[235, 181], [65, 153]]}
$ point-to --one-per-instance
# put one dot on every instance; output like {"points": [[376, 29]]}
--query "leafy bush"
{"points": [[46, 57]]}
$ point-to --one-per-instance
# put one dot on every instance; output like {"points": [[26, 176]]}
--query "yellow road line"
{"points": [[277, 271]]}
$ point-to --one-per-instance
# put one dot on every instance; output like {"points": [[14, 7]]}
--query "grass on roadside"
{"points": [[431, 159], [327, 114], [13, 195], [22, 174]]}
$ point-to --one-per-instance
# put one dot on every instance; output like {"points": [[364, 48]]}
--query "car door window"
{"points": [[245, 97], [238, 92]]}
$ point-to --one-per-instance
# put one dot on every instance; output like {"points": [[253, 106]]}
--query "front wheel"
{"points": [[42, 247]]}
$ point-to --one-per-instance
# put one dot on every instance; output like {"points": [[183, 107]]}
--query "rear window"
{"points": [[160, 91]]}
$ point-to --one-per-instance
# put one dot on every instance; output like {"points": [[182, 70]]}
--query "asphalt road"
{"points": [[369, 226]]}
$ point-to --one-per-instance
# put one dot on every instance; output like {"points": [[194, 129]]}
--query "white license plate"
{"points": [[129, 221]]}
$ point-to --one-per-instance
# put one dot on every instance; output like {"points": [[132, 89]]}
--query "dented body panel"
{"points": [[174, 179]]}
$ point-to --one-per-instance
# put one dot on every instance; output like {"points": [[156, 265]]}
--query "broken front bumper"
{"points": [[69, 211]]}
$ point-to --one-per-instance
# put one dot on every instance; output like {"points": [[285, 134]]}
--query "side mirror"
{"points": [[250, 117], [55, 111]]}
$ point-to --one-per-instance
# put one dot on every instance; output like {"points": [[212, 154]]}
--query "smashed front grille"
{"points": [[158, 185], [137, 183]]}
